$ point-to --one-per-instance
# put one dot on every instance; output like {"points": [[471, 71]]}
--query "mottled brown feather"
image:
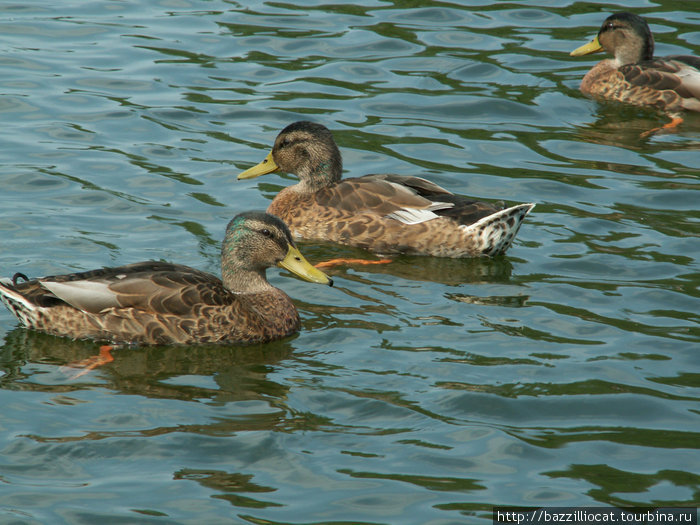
{"points": [[635, 76], [362, 211], [163, 303]]}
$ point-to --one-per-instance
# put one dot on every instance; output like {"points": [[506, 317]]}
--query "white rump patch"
{"points": [[518, 212]]}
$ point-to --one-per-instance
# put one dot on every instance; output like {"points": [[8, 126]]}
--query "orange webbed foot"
{"points": [[675, 122], [104, 357], [336, 262]]}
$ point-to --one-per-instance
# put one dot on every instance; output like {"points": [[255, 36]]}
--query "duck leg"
{"points": [[336, 262], [104, 357], [676, 121]]}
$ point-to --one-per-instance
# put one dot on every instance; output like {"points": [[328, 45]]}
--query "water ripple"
{"points": [[422, 391]]}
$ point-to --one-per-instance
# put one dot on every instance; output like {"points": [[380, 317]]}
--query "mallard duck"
{"points": [[634, 75], [386, 214], [162, 303]]}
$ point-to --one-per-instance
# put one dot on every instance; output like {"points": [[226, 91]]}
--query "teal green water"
{"points": [[421, 392]]}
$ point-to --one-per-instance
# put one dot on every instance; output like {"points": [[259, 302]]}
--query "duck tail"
{"points": [[494, 234], [20, 307]]}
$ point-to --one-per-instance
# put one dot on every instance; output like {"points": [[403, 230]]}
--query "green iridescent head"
{"points": [[256, 240]]}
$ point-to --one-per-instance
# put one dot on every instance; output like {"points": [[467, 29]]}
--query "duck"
{"points": [[634, 75], [159, 303], [387, 214]]}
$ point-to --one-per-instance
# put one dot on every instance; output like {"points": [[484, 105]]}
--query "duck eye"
{"points": [[285, 143], [266, 232]]}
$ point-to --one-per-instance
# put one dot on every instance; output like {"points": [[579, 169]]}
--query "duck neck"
{"points": [[237, 273], [243, 281], [320, 172], [635, 54], [633, 51]]}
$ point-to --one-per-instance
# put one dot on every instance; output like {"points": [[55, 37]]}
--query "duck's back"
{"points": [[387, 213], [149, 303], [670, 83]]}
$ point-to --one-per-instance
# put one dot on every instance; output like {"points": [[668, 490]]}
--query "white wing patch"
{"points": [[418, 215], [89, 296], [412, 215], [690, 77]]}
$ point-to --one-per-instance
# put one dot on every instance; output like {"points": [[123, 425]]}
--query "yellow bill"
{"points": [[266, 166], [295, 263], [592, 47]]}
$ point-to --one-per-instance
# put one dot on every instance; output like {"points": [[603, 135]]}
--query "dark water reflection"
{"points": [[239, 371], [422, 391]]}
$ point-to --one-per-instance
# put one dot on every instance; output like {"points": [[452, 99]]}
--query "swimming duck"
{"points": [[162, 303], [385, 213], [634, 75]]}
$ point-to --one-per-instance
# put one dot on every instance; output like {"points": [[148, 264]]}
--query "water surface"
{"points": [[421, 392]]}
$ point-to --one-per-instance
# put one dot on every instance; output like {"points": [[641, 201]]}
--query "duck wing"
{"points": [[411, 200], [408, 199], [674, 73], [152, 286]]}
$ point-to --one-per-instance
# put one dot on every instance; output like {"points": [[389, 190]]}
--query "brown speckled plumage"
{"points": [[383, 213], [634, 75], [162, 303]]}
